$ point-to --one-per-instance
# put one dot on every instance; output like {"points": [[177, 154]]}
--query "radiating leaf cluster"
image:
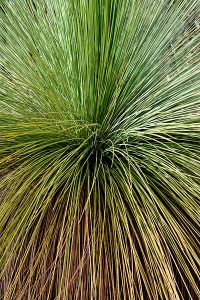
{"points": [[99, 149]]}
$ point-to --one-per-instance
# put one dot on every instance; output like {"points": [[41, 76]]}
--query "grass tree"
{"points": [[99, 149]]}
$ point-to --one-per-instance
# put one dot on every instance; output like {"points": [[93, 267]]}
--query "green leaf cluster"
{"points": [[99, 149]]}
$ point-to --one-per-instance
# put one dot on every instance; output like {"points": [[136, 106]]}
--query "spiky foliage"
{"points": [[100, 141]]}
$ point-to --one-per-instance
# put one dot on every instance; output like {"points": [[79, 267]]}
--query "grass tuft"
{"points": [[99, 149]]}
